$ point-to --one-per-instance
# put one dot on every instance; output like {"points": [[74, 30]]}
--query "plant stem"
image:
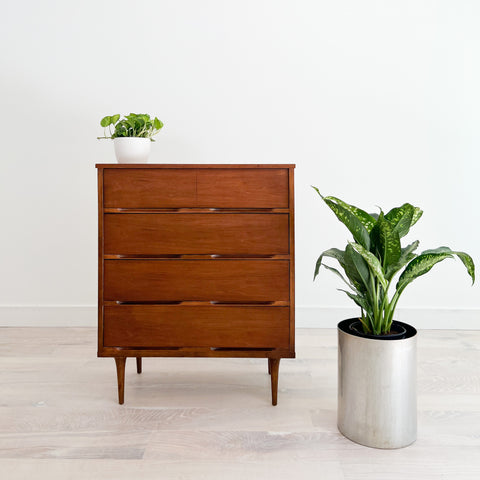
{"points": [[374, 302], [393, 305]]}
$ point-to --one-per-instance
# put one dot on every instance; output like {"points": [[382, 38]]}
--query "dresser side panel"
{"points": [[100, 258], [291, 205]]}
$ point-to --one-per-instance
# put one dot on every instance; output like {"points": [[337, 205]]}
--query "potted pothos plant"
{"points": [[132, 135], [377, 354]]}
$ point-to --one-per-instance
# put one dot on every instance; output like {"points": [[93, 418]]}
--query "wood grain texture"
{"points": [[213, 188], [196, 233], [212, 419], [273, 371], [100, 257], [196, 352], [199, 326], [164, 234], [197, 166], [203, 280], [140, 188], [291, 240], [245, 188], [120, 364], [139, 364]]}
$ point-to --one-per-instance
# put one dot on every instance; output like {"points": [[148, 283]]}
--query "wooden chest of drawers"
{"points": [[197, 261]]}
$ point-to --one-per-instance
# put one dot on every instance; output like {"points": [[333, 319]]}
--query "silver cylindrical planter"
{"points": [[377, 388]]}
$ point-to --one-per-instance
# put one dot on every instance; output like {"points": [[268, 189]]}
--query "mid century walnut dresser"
{"points": [[196, 261]]}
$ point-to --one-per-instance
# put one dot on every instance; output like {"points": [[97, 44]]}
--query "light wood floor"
{"points": [[212, 418]]}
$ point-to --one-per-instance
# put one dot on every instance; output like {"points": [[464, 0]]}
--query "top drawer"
{"points": [[148, 188], [184, 188]]}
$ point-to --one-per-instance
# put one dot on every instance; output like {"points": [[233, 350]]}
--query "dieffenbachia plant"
{"points": [[375, 256], [138, 125]]}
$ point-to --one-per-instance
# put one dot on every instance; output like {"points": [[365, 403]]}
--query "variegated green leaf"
{"points": [[468, 262], [406, 256], [409, 249], [336, 272], [360, 300], [402, 218], [372, 262], [354, 225], [439, 250], [357, 270], [385, 240], [420, 266], [368, 221], [464, 257], [396, 214], [417, 213], [332, 253], [405, 221]]}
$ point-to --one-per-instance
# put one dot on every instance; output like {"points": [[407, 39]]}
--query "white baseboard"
{"points": [[306, 317], [420, 318]]}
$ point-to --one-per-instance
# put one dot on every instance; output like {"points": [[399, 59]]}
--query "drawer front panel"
{"points": [[198, 233], [149, 188], [242, 188], [208, 188], [201, 280], [206, 326]]}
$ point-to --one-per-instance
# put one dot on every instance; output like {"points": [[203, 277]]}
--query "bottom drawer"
{"points": [[217, 326]]}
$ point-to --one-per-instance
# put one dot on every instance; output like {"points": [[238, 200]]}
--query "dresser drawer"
{"points": [[149, 188], [202, 326], [192, 188], [196, 233], [202, 280], [243, 188]]}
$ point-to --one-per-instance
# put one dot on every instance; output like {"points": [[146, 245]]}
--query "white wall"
{"points": [[375, 101]]}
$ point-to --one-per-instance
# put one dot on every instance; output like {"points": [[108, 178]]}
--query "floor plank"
{"points": [[212, 418]]}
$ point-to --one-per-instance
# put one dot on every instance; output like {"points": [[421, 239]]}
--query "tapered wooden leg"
{"points": [[269, 366], [120, 363], [139, 364], [274, 365]]}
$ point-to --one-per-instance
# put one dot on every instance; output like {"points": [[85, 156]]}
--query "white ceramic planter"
{"points": [[132, 149], [377, 389]]}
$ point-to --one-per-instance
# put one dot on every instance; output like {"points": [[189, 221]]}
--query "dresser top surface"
{"points": [[196, 165]]}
